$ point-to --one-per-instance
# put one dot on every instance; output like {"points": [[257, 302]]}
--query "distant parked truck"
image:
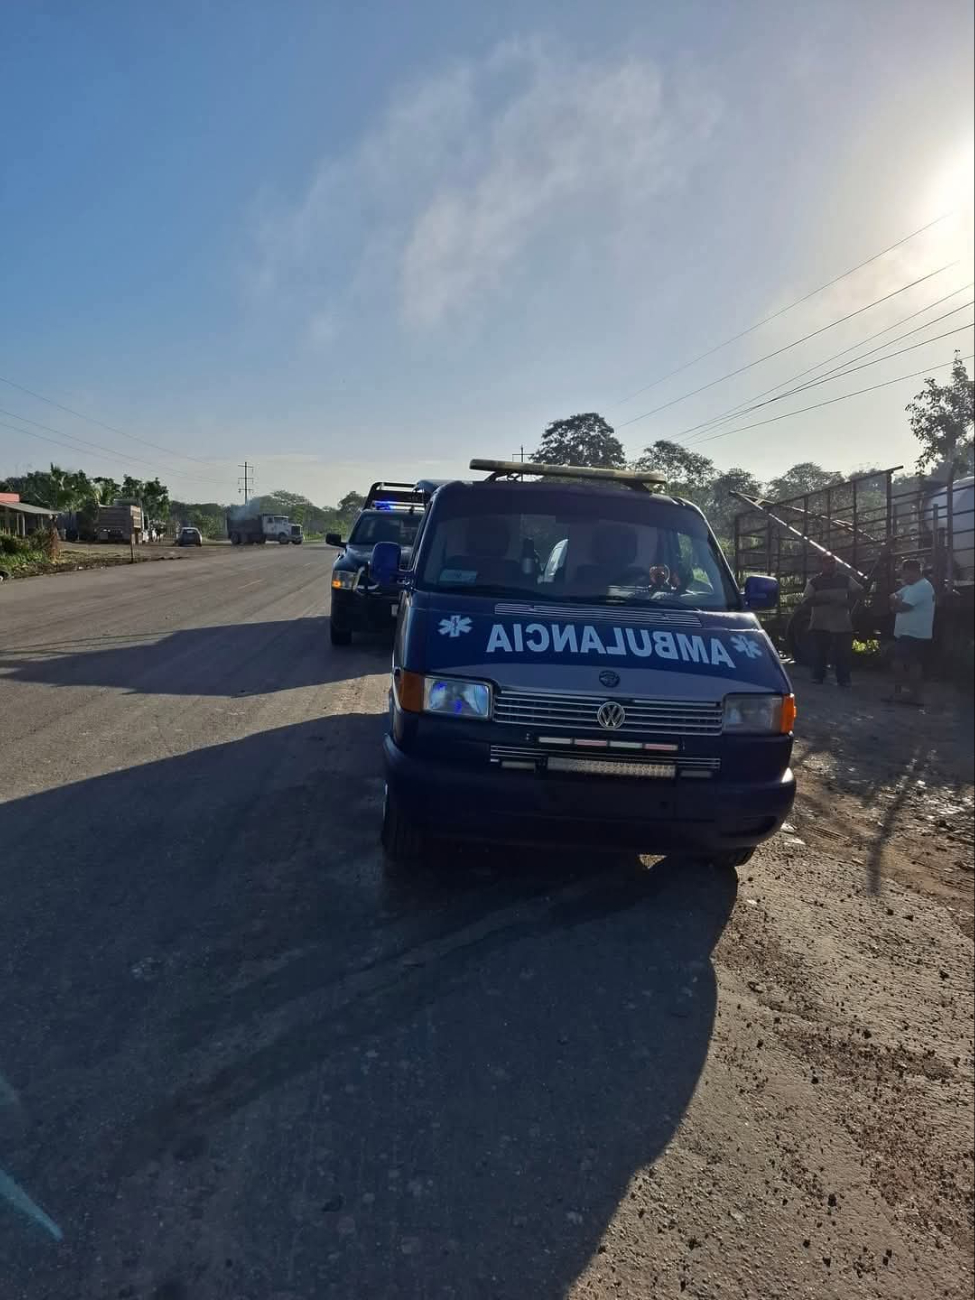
{"points": [[120, 523], [245, 529]]}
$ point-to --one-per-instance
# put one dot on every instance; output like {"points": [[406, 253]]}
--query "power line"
{"points": [[743, 407], [248, 480], [831, 400], [82, 444], [848, 369], [782, 310], [101, 423], [787, 347]]}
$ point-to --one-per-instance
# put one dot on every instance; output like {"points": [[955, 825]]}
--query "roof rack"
{"points": [[386, 495], [639, 480]]}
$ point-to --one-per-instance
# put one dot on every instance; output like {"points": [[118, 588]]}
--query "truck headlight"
{"points": [[759, 715], [344, 579], [456, 697]]}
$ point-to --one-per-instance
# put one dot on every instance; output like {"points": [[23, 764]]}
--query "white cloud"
{"points": [[469, 172]]}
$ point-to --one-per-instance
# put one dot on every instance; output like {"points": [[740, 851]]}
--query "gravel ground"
{"points": [[238, 1062]]}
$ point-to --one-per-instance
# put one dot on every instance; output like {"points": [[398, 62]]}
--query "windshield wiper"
{"points": [[641, 596]]}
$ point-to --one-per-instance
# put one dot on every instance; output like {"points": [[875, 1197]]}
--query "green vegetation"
{"points": [[581, 440], [941, 420], [73, 492]]}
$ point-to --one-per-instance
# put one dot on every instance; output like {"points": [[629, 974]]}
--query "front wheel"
{"points": [[283, 539], [402, 840], [339, 635], [730, 860]]}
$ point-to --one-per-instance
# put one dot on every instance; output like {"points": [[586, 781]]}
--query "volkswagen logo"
{"points": [[611, 715], [609, 679]]}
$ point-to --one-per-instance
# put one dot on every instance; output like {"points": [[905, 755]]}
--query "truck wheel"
{"points": [[235, 539], [339, 635], [283, 539], [402, 840]]}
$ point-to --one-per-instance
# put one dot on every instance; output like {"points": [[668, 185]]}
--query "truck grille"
{"points": [[578, 712]]}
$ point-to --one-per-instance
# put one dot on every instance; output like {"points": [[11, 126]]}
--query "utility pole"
{"points": [[246, 480]]}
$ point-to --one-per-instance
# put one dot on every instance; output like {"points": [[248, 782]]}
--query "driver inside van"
{"points": [[613, 560]]}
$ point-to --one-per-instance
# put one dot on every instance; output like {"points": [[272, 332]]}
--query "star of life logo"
{"points": [[746, 646], [454, 626]]}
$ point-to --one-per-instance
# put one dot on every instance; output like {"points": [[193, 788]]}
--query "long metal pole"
{"points": [[755, 505]]}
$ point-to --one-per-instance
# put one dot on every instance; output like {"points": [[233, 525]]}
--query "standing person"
{"points": [[913, 605], [830, 595]]}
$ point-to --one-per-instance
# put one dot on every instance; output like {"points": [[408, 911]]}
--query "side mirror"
{"points": [[385, 562], [761, 593], [333, 539]]}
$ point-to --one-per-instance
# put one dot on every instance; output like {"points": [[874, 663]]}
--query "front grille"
{"points": [[578, 712], [523, 755]]}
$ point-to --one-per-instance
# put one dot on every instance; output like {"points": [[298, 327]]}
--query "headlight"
{"points": [[456, 698], [344, 579], [759, 715]]}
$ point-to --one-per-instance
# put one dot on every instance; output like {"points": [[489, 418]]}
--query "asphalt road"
{"points": [[247, 1063], [238, 1061]]}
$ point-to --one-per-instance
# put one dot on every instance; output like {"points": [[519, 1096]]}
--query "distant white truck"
{"points": [[246, 529]]}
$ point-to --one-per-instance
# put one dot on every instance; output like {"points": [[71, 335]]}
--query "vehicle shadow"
{"points": [[221, 1015], [226, 660]]}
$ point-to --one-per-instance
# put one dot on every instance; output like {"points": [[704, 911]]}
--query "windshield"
{"points": [[548, 545], [385, 526]]}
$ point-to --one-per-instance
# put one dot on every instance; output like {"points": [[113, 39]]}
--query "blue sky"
{"points": [[348, 240]]}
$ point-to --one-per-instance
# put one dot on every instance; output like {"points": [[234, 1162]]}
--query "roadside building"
{"points": [[19, 518]]}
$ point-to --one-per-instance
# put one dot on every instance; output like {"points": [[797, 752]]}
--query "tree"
{"points": [[678, 465], [208, 516], [805, 477], [941, 420], [581, 440], [155, 499], [722, 507], [688, 473], [349, 506], [108, 489], [56, 488]]}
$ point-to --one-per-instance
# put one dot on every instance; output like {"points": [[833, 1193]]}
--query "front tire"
{"points": [[730, 860], [339, 635], [402, 840]]}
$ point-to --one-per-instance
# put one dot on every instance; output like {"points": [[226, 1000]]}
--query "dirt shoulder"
{"points": [[827, 1150], [846, 1038], [75, 557], [890, 787]]}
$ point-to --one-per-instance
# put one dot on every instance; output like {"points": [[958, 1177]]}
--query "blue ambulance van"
{"points": [[575, 664]]}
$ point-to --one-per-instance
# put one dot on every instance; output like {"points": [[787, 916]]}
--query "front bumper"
{"points": [[355, 611], [646, 815]]}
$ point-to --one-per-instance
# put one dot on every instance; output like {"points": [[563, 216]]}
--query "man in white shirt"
{"points": [[913, 605]]}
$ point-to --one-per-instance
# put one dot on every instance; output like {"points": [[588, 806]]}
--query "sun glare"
{"points": [[954, 183]]}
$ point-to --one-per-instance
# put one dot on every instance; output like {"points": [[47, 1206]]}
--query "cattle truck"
{"points": [[121, 522]]}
